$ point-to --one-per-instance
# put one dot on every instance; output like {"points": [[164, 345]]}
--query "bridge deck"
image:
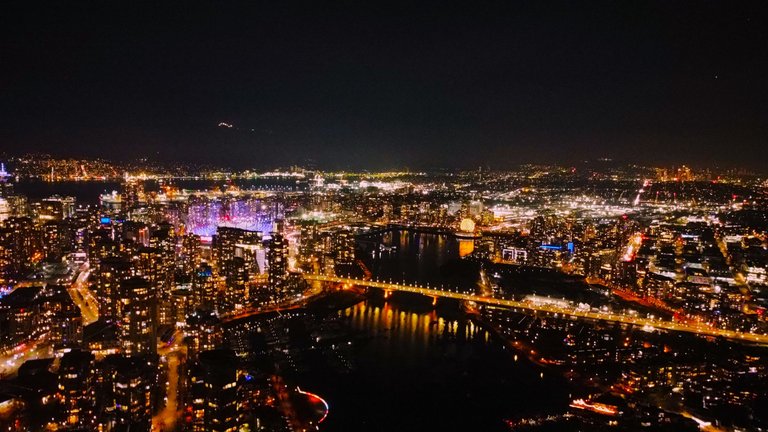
{"points": [[549, 308]]}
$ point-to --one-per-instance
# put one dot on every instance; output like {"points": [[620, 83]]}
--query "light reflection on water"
{"points": [[419, 368], [423, 368], [418, 257], [409, 332]]}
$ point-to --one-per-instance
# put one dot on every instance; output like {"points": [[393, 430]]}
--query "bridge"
{"points": [[646, 323]]}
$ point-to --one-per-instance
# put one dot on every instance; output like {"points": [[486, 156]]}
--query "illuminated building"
{"points": [[19, 205], [189, 256], [345, 247], [148, 264], [18, 311], [237, 253], [133, 192], [310, 245], [6, 182], [53, 239], [110, 273], [60, 316], [277, 260], [6, 255], [35, 376], [205, 216], [181, 303], [138, 316], [56, 208], [254, 258], [387, 212], [236, 293], [142, 236], [24, 242], [101, 338], [260, 257], [658, 286], [230, 242], [405, 213], [204, 290], [131, 382], [163, 242], [67, 327], [204, 332], [5, 209], [515, 255], [76, 387], [213, 388], [132, 234], [100, 247]]}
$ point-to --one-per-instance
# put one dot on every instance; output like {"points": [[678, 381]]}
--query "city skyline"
{"points": [[334, 216], [32, 164], [622, 298]]}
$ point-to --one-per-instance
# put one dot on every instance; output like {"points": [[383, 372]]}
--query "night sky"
{"points": [[357, 84]]}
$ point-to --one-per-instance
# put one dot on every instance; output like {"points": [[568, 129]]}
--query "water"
{"points": [[87, 192], [84, 192], [430, 370], [418, 257], [422, 368]]}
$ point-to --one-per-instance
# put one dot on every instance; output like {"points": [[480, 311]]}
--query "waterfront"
{"points": [[402, 363], [397, 360], [418, 257], [421, 369], [88, 192]]}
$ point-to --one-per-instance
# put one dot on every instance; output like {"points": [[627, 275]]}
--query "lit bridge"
{"points": [[646, 323]]}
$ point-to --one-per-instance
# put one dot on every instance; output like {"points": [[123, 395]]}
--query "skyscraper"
{"points": [[204, 288], [131, 382], [277, 260], [214, 391], [6, 182], [76, 387], [344, 247], [236, 294], [138, 304], [110, 273]]}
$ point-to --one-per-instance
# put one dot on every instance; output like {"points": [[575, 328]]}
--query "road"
{"points": [[84, 298], [11, 360], [174, 353], [286, 406], [294, 303], [647, 323]]}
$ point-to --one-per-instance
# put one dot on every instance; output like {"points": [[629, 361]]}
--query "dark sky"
{"points": [[357, 84]]}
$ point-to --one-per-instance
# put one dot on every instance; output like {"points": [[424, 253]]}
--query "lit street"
{"points": [[84, 298]]}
